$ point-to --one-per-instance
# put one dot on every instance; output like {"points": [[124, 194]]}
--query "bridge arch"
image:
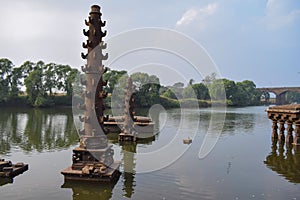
{"points": [[280, 93]]}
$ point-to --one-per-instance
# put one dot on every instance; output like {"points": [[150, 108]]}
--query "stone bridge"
{"points": [[280, 92]]}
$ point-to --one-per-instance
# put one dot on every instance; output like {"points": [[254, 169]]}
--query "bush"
{"points": [[169, 103]]}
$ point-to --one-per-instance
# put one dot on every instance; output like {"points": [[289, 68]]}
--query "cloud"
{"points": [[279, 14], [196, 14]]}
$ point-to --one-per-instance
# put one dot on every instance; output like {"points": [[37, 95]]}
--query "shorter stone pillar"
{"points": [[289, 136], [297, 134], [281, 131], [274, 130]]}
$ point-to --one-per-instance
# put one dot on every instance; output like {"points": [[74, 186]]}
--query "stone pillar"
{"points": [[289, 136], [281, 130], [297, 133], [274, 130]]}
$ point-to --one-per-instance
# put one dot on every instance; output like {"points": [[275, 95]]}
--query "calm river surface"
{"points": [[243, 164]]}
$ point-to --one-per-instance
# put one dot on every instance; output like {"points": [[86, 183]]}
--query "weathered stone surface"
{"points": [[9, 170], [93, 159], [286, 116]]}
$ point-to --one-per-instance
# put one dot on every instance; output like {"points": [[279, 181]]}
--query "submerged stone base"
{"points": [[93, 165], [9, 170], [123, 137], [142, 125], [111, 174]]}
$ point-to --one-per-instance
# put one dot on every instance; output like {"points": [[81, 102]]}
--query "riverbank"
{"points": [[66, 101]]}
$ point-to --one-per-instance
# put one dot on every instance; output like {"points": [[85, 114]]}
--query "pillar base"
{"points": [[111, 174], [126, 137]]}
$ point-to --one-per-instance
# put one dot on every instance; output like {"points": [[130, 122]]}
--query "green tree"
{"points": [[247, 93], [189, 92], [5, 78], [49, 77], [34, 86], [221, 87], [293, 97], [113, 76], [178, 85], [147, 89], [169, 94], [16, 83], [71, 77], [201, 91]]}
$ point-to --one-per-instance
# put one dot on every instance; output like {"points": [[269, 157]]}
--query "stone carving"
{"points": [[93, 159]]}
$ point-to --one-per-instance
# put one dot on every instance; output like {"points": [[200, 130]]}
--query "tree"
{"points": [[5, 78], [209, 78], [113, 77], [189, 92], [71, 77], [34, 86], [49, 77], [147, 89], [293, 97], [191, 81], [247, 93], [169, 94], [201, 91], [15, 83], [221, 87], [178, 85]]}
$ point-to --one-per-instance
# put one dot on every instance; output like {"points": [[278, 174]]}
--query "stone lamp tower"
{"points": [[93, 159]]}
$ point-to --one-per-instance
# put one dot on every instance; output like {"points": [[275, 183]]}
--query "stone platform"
{"points": [[111, 174], [288, 119], [9, 170], [141, 124], [93, 165]]}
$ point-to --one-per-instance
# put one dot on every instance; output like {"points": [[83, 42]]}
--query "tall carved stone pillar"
{"points": [[93, 159], [128, 133]]}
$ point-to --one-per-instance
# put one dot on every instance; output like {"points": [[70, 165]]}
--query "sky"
{"points": [[256, 40]]}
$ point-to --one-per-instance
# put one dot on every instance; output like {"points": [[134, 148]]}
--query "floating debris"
{"points": [[187, 141]]}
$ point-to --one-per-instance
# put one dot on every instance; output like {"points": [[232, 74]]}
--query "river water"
{"points": [[244, 164]]}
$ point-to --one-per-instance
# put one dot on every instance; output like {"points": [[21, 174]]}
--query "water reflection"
{"points": [[235, 122], [89, 190], [128, 152], [83, 190], [4, 181], [285, 161], [36, 129]]}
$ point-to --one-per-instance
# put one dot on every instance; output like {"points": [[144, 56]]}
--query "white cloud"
{"points": [[279, 14], [187, 17], [195, 14]]}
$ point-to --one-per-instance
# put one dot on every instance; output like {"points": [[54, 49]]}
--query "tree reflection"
{"points": [[285, 161], [86, 190], [36, 129], [90, 190], [238, 123]]}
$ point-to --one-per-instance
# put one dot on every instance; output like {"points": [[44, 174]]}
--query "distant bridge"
{"points": [[280, 92]]}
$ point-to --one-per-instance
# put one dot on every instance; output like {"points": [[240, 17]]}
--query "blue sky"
{"points": [[247, 39]]}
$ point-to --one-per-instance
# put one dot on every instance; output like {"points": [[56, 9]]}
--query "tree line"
{"points": [[242, 93], [47, 84], [35, 84]]}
